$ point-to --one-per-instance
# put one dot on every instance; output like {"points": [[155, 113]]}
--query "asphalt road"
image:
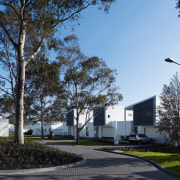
{"points": [[98, 165]]}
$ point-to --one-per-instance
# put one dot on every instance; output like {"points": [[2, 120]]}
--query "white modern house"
{"points": [[115, 122], [145, 118], [4, 126], [57, 128], [105, 123]]}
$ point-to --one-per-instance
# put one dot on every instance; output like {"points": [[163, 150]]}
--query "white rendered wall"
{"points": [[4, 127], [115, 123], [83, 116], [88, 127], [87, 131], [114, 113], [129, 115], [124, 128], [59, 128]]}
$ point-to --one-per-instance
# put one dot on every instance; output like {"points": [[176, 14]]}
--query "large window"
{"points": [[70, 118], [99, 117], [144, 113]]}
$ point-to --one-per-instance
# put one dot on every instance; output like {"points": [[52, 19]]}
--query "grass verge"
{"points": [[166, 156], [170, 161], [32, 155]]}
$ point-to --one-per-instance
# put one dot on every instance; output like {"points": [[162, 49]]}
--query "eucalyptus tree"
{"points": [[88, 83], [28, 24], [41, 90], [169, 110]]}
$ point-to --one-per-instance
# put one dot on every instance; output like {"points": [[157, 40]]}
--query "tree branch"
{"points": [[70, 16], [10, 38], [2, 77], [11, 6], [36, 51], [5, 91]]}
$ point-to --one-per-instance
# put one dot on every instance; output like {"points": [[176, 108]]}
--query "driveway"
{"points": [[98, 165]]}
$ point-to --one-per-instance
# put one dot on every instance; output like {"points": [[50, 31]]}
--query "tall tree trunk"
{"points": [[42, 128], [19, 123], [77, 127], [42, 118], [77, 116], [77, 133], [21, 63]]}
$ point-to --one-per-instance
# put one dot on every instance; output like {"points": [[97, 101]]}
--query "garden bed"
{"points": [[32, 155]]}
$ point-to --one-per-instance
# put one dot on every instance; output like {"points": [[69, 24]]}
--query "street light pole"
{"points": [[170, 60]]}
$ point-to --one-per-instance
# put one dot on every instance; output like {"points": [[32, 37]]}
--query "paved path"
{"points": [[98, 165]]}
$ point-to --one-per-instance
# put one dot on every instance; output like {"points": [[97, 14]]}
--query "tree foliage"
{"points": [[41, 90], [169, 110], [88, 83]]}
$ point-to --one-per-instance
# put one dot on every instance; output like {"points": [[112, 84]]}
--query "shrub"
{"points": [[29, 132]]}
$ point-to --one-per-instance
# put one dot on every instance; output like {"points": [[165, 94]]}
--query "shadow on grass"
{"points": [[175, 169]]}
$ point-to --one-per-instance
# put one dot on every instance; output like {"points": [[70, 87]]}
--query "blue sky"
{"points": [[134, 38]]}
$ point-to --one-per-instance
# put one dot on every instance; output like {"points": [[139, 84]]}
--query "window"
{"points": [[87, 131], [135, 130], [130, 114]]}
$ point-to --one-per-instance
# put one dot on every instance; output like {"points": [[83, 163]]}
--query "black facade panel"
{"points": [[143, 113], [99, 117], [70, 118]]}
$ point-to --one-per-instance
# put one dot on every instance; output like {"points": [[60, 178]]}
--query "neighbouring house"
{"points": [[111, 123], [105, 123], [115, 122], [57, 128], [4, 126], [145, 118]]}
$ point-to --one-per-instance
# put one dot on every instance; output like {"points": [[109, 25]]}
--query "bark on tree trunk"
{"points": [[21, 63], [42, 115], [42, 128], [77, 134], [19, 123], [77, 127]]}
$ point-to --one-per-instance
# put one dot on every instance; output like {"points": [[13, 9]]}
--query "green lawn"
{"points": [[12, 134], [35, 137], [50, 139], [170, 161], [87, 143]]}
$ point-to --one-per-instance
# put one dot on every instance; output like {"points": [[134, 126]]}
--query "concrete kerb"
{"points": [[38, 170], [147, 160]]}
